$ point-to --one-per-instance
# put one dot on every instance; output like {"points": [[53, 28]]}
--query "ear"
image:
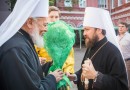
{"points": [[30, 23]]}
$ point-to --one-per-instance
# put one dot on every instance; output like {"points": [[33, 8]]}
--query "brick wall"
{"points": [[119, 13]]}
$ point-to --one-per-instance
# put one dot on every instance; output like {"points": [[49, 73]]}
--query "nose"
{"points": [[120, 28], [54, 19], [44, 29], [84, 33], [45, 26]]}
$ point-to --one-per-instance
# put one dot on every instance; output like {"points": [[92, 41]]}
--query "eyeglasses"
{"points": [[42, 25]]}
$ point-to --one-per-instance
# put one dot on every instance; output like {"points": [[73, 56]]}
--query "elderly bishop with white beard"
{"points": [[20, 68]]}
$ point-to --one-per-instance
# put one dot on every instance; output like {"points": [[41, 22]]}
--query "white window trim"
{"points": [[106, 5], [127, 1], [67, 5], [119, 4], [112, 4]]}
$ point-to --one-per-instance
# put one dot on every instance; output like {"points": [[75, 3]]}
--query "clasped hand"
{"points": [[88, 70]]}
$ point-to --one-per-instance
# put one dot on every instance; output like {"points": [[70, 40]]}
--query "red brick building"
{"points": [[72, 11], [121, 11]]}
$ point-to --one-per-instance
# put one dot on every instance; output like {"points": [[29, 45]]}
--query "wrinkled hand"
{"points": [[58, 74], [71, 77], [42, 60], [88, 70]]}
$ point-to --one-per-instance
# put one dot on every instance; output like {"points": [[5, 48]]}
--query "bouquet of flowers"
{"points": [[59, 40]]}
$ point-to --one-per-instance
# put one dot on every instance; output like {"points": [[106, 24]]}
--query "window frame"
{"points": [[103, 5], [69, 4], [112, 4], [83, 2], [120, 2], [127, 1]]}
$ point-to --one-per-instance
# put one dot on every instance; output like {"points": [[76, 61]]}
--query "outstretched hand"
{"points": [[58, 74], [71, 77]]}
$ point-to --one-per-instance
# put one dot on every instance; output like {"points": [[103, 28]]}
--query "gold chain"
{"points": [[20, 32], [98, 50]]}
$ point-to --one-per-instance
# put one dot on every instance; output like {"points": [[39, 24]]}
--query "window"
{"points": [[102, 4], [120, 2], [82, 3], [68, 3], [127, 1], [112, 4]]}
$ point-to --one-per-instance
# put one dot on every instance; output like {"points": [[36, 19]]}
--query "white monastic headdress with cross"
{"points": [[100, 18]]}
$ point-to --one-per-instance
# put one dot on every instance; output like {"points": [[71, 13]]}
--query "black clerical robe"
{"points": [[19, 66], [108, 61]]}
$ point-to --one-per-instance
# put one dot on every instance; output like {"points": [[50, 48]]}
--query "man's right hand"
{"points": [[58, 74], [72, 77]]}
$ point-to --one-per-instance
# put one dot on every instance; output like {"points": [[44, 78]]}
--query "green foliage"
{"points": [[52, 2], [11, 3]]}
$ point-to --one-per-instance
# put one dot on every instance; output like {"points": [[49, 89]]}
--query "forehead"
{"points": [[42, 19], [54, 13], [121, 25]]}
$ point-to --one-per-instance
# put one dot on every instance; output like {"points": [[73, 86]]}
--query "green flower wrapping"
{"points": [[59, 40]]}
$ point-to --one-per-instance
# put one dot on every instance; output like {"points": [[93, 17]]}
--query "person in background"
{"points": [[124, 42], [103, 67], [54, 15], [20, 68]]}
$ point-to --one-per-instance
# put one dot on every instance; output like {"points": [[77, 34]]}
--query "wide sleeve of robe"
{"points": [[20, 73]]}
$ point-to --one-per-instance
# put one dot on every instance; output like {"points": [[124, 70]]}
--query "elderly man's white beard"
{"points": [[37, 39]]}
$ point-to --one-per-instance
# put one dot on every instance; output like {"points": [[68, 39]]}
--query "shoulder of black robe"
{"points": [[20, 68]]}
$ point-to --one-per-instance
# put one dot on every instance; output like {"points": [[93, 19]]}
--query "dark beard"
{"points": [[91, 42]]}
